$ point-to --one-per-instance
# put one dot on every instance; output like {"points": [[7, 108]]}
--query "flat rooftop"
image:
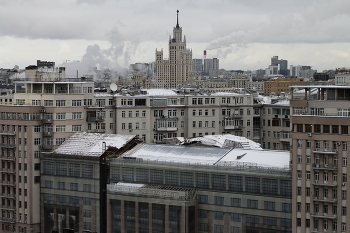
{"points": [[202, 155]]}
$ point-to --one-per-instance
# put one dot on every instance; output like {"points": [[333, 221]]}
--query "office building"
{"points": [[163, 188], [282, 64]]}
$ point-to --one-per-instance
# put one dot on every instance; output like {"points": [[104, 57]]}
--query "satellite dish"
{"points": [[113, 87]]}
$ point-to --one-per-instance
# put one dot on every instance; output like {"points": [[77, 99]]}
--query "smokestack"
{"points": [[205, 54]]}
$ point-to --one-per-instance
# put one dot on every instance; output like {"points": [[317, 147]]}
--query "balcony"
{"points": [[7, 207], [9, 133], [7, 195], [47, 121], [233, 127], [325, 199], [7, 145], [323, 215], [7, 170], [166, 129], [9, 220], [97, 118], [9, 183], [324, 167], [46, 147], [323, 183], [96, 131], [96, 106], [324, 151], [8, 158], [47, 134], [236, 116]]}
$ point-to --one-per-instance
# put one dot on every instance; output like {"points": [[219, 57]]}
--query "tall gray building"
{"points": [[210, 64], [283, 64]]}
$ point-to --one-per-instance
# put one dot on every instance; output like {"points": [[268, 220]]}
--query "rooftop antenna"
{"points": [[177, 21]]}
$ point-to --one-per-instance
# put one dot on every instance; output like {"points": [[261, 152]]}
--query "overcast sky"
{"points": [[115, 33]]}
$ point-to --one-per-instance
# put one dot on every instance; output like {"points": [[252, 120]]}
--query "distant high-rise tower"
{"points": [[174, 71], [210, 64], [283, 64]]}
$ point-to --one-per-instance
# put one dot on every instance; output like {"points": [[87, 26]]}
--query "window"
{"points": [[76, 103], [86, 187], [61, 185], [203, 199], [37, 128], [218, 215], [48, 184], [203, 227], [60, 103], [235, 217], [37, 141], [218, 200], [74, 186], [60, 116], [37, 166], [202, 213], [76, 115], [86, 201], [253, 204], [287, 207], [60, 128], [269, 205], [76, 128], [236, 202], [252, 219]]}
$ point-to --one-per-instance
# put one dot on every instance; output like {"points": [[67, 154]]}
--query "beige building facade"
{"points": [[320, 139]]}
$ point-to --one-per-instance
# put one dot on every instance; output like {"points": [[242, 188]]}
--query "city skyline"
{"points": [[115, 34]]}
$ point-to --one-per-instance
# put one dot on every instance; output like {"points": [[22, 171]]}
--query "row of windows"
{"points": [[64, 199], [326, 145], [253, 204], [202, 180], [72, 186], [68, 169], [316, 128], [322, 225]]}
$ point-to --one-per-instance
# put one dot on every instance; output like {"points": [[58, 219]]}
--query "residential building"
{"points": [[279, 85], [320, 139]]}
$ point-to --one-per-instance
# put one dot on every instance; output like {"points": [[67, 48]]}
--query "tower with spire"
{"points": [[172, 72]]}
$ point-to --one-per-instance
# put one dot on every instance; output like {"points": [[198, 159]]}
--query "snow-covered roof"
{"points": [[209, 155], [92, 144], [225, 140], [171, 92], [177, 153]]}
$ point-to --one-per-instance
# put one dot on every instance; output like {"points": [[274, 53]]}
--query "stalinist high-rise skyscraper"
{"points": [[174, 71]]}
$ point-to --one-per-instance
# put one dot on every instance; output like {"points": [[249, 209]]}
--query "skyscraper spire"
{"points": [[177, 22]]}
